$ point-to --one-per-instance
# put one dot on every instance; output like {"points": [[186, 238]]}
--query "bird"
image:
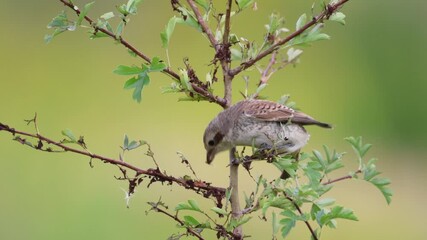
{"points": [[262, 124]]}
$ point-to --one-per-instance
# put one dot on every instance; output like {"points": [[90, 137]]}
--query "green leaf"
{"points": [[107, 15], [126, 141], [119, 29], [194, 205], [219, 211], [60, 24], [301, 21], [138, 83], [132, 145], [125, 70], [287, 225], [98, 34], [188, 19], [293, 54], [185, 81], [69, 134], [157, 65], [275, 223], [286, 163], [204, 4], [335, 213], [260, 88], [325, 202], [191, 221], [242, 221], [183, 206], [244, 3], [338, 17], [370, 174], [358, 146], [84, 12], [166, 34], [314, 211]]}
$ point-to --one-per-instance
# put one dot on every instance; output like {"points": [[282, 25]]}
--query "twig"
{"points": [[129, 46], [204, 25], [329, 10], [227, 26], [200, 187], [268, 71], [189, 229], [350, 176], [313, 234]]}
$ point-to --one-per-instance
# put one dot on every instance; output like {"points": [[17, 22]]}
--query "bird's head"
{"points": [[215, 139]]}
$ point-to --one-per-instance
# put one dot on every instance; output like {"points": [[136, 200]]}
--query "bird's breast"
{"points": [[283, 137]]}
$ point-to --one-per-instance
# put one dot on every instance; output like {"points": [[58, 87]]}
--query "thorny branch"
{"points": [[310, 228], [204, 25], [190, 230], [129, 46], [201, 187], [329, 10]]}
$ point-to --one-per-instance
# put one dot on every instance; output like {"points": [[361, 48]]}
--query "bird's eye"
{"points": [[211, 143]]}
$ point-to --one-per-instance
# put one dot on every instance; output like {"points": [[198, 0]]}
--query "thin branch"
{"points": [[129, 46], [203, 24], [201, 187], [227, 26], [189, 229], [329, 10], [350, 176], [268, 71], [313, 234]]}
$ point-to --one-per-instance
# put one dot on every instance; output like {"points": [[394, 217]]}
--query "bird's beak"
{"points": [[210, 156]]}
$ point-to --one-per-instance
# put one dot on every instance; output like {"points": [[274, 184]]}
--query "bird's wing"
{"points": [[274, 112]]}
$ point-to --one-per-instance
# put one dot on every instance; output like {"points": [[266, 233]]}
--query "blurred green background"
{"points": [[369, 80]]}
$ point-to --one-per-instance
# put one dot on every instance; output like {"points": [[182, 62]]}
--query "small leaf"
{"points": [[275, 223], [301, 21], [336, 212], [126, 141], [166, 34], [107, 15], [84, 12], [182, 206], [119, 29], [68, 133], [287, 224], [189, 220], [194, 205], [138, 83], [242, 221], [157, 65], [338, 17], [219, 210], [325, 202], [294, 54], [244, 3], [204, 4], [125, 70]]}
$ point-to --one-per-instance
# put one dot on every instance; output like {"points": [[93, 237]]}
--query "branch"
{"points": [[203, 24], [227, 26], [350, 176], [156, 208], [234, 187], [329, 10], [200, 187], [313, 234], [129, 46]]}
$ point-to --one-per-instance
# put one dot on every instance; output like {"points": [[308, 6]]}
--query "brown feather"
{"points": [[274, 112]]}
